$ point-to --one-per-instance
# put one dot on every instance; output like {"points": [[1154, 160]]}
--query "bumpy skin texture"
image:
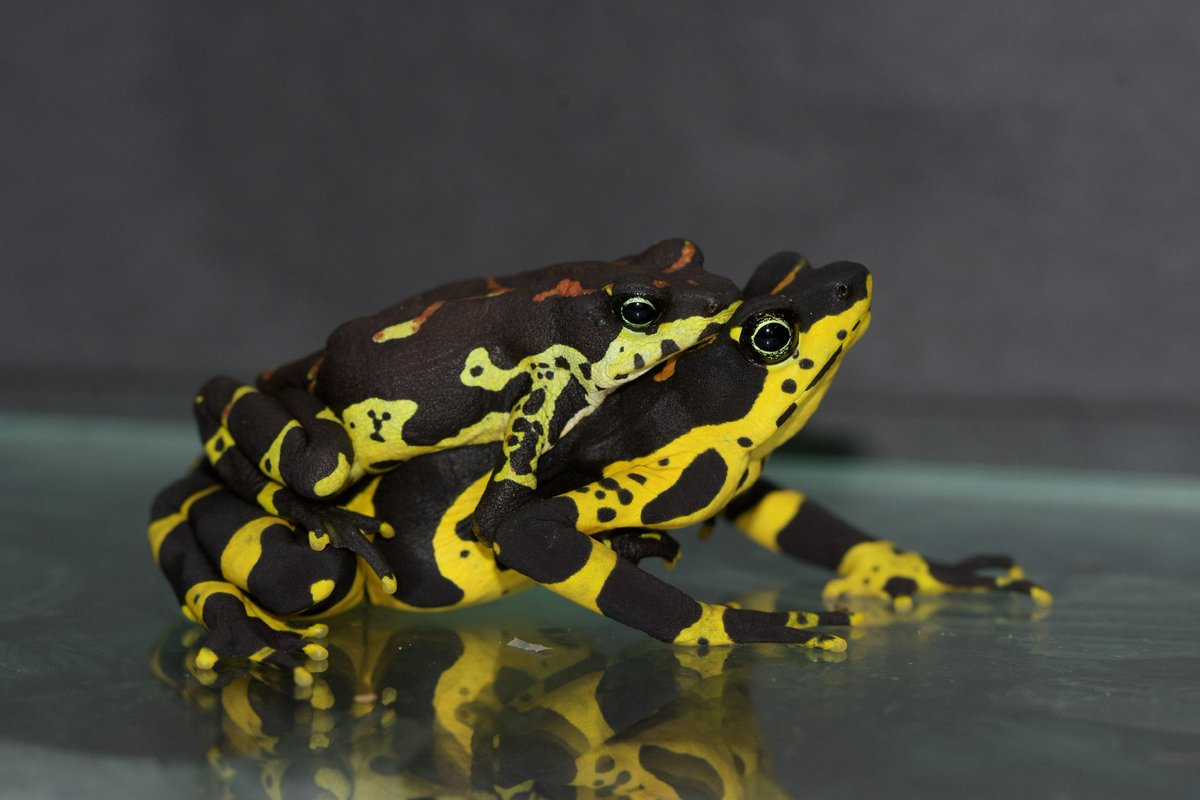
{"points": [[678, 446], [517, 360]]}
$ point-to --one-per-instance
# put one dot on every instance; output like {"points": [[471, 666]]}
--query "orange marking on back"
{"points": [[685, 258], [791, 276], [267, 374], [495, 287], [662, 284], [567, 287]]}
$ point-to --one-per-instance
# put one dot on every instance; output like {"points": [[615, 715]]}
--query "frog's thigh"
{"points": [[262, 555]]}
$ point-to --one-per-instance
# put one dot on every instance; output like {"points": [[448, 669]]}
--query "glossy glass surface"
{"points": [[978, 697]]}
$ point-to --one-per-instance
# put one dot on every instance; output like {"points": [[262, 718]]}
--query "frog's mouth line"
{"points": [[824, 369]]}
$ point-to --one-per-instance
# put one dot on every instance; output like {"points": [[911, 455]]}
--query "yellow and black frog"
{"points": [[681, 445], [517, 360]]}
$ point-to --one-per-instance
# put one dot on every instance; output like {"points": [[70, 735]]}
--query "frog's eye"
{"points": [[638, 313], [769, 338]]}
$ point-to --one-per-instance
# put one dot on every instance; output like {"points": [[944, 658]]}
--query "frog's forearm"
{"points": [[784, 520], [543, 544], [291, 437]]}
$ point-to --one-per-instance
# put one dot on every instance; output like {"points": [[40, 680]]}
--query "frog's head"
{"points": [[657, 304], [792, 330]]}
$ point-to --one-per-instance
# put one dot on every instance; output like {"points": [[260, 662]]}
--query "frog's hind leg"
{"points": [[267, 557], [274, 450], [238, 627]]}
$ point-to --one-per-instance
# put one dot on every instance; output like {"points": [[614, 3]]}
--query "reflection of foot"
{"points": [[237, 631]]}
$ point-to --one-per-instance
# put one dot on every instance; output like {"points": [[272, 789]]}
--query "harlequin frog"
{"points": [[519, 360], [678, 446]]}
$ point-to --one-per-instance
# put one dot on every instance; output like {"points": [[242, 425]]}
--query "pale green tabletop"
{"points": [[1098, 698]]}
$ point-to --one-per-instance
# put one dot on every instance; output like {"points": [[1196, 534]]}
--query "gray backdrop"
{"points": [[187, 189]]}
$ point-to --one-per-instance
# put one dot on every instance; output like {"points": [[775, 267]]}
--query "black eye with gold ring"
{"points": [[769, 338], [638, 313]]}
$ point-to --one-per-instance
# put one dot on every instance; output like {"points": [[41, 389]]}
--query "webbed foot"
{"points": [[880, 569], [333, 526], [240, 631]]}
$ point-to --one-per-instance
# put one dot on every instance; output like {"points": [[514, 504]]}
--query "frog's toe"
{"points": [[235, 634], [342, 529]]}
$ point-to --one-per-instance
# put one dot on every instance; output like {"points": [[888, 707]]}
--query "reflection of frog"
{"points": [[679, 446], [518, 360], [428, 712]]}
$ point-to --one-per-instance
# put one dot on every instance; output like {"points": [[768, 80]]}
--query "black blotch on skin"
{"points": [[662, 462], [585, 369], [606, 514], [785, 416], [601, 494], [669, 347], [624, 496], [841, 334], [267, 464], [697, 485], [638, 361], [636, 478], [535, 401], [805, 363], [609, 483], [562, 363], [745, 441], [788, 386], [824, 369], [476, 371]]}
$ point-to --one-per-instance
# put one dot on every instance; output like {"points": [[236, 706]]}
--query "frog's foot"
{"points": [[238, 631], [333, 526], [881, 570]]}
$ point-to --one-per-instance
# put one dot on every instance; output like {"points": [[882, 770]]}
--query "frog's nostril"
{"points": [[841, 291]]}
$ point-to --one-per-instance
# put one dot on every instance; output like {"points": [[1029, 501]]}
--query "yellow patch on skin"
{"points": [[766, 520], [335, 481], [322, 697], [266, 497], [710, 627], [405, 329], [583, 588], [269, 464], [321, 589], [160, 528], [218, 444], [476, 574], [244, 550], [318, 541]]}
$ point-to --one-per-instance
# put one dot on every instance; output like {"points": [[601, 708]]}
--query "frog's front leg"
{"points": [[784, 520], [289, 436], [238, 572], [542, 542]]}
